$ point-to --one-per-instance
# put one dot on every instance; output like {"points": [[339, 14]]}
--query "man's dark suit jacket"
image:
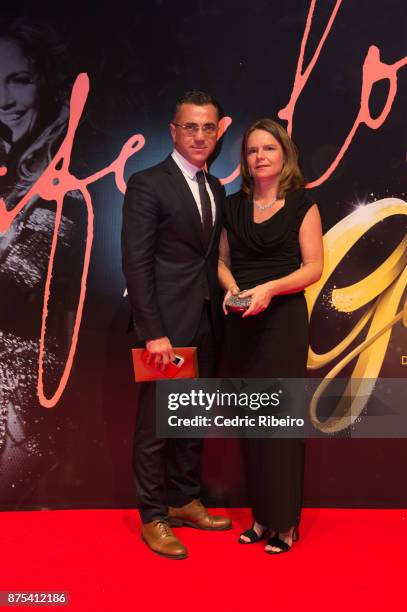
{"points": [[168, 270]]}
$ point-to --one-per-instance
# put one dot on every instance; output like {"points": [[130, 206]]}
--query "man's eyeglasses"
{"points": [[209, 129]]}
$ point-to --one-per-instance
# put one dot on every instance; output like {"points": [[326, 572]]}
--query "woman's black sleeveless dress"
{"points": [[272, 344]]}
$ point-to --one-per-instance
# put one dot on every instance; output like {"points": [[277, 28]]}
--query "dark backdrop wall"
{"points": [[69, 444]]}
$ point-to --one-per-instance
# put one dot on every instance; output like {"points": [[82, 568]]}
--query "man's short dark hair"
{"points": [[200, 98]]}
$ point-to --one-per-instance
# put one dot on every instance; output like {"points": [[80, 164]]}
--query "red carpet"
{"points": [[345, 560]]}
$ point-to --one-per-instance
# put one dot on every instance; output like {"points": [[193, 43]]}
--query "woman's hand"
{"points": [[261, 298], [233, 290]]}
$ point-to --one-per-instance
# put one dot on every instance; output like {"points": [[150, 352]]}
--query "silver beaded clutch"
{"points": [[235, 303]]}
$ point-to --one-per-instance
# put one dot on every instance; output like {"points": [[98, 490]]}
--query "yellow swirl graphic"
{"points": [[386, 286]]}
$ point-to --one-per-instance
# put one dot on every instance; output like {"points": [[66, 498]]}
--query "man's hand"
{"points": [[160, 352]]}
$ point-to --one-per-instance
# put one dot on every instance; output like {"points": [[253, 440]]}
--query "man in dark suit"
{"points": [[171, 227]]}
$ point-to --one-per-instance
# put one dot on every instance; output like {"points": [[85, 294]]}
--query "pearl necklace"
{"points": [[265, 206]]}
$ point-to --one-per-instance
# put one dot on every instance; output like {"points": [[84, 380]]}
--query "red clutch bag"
{"points": [[185, 365]]}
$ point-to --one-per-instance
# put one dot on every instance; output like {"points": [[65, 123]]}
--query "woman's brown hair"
{"points": [[291, 177]]}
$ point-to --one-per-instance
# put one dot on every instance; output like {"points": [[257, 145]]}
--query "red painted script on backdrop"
{"points": [[373, 70], [52, 185]]}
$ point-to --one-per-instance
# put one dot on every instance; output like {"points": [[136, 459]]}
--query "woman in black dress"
{"points": [[271, 249]]}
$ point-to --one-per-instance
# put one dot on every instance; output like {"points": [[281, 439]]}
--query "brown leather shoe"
{"points": [[160, 538], [196, 515]]}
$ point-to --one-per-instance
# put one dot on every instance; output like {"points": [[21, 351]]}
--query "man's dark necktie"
{"points": [[207, 221]]}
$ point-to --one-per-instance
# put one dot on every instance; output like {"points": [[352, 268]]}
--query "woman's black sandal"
{"points": [[276, 542], [253, 536]]}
